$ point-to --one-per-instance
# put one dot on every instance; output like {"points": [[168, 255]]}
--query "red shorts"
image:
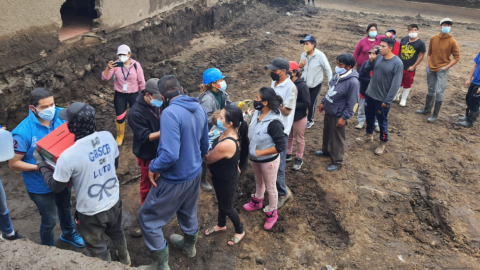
{"points": [[408, 77]]}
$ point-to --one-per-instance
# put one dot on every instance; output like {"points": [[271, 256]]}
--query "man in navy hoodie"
{"points": [[338, 106], [183, 143]]}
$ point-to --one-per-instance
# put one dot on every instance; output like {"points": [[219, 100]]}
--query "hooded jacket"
{"points": [[342, 95], [303, 99], [210, 104], [364, 79], [183, 141], [313, 70], [440, 50], [144, 120]]}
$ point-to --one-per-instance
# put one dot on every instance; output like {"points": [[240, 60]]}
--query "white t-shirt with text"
{"points": [[90, 165]]}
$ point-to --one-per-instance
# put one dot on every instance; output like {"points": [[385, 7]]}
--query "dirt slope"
{"points": [[415, 207]]}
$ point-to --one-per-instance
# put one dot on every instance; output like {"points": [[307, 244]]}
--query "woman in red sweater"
{"points": [[366, 44]]}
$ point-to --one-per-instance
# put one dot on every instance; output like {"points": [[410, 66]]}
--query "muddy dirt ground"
{"points": [[415, 207]]}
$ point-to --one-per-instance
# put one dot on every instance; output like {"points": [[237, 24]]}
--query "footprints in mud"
{"points": [[309, 209]]}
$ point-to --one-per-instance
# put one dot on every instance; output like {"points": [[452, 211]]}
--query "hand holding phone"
{"points": [[119, 64]]}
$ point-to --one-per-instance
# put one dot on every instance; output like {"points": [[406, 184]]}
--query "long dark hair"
{"points": [[274, 100], [234, 114]]}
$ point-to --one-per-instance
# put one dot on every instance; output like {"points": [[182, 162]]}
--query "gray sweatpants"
{"points": [[437, 82], [162, 203]]}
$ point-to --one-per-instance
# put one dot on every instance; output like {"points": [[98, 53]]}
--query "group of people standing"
{"points": [[178, 140]]}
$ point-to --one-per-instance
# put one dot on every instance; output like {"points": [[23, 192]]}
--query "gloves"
{"points": [[241, 104], [38, 158]]}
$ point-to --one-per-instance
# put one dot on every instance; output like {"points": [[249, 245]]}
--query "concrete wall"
{"points": [[17, 16], [29, 28], [116, 14]]}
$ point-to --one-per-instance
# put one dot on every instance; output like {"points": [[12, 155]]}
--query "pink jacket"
{"points": [[135, 80], [363, 46]]}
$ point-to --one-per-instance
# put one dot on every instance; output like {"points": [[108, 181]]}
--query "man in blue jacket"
{"points": [[41, 120], [183, 144], [338, 105]]}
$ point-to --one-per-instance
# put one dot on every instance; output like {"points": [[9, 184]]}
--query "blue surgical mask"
{"points": [[47, 114], [220, 125], [156, 103], [223, 86], [340, 71], [372, 34], [446, 29]]}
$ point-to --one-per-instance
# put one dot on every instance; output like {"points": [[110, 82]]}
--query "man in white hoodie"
{"points": [[313, 62]]}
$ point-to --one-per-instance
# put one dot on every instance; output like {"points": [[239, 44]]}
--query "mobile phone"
{"points": [[377, 51], [119, 64]]}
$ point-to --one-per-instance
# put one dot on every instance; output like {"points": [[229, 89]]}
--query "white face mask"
{"points": [[413, 35], [123, 58]]}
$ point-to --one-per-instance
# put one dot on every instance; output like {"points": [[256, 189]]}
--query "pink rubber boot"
{"points": [[253, 205], [271, 219]]}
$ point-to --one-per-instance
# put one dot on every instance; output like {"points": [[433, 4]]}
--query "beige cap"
{"points": [[446, 20]]}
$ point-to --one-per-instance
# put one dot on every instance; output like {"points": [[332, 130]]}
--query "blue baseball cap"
{"points": [[308, 38]]}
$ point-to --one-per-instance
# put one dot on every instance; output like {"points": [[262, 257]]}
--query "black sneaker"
{"points": [[289, 157], [298, 164], [16, 236]]}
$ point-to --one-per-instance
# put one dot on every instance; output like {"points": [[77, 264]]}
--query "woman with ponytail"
{"points": [[228, 155], [267, 140]]}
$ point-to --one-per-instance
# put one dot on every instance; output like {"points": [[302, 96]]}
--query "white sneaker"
{"points": [[360, 125], [310, 124]]}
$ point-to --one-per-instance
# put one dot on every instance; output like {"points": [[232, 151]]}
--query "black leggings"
{"points": [[472, 98], [225, 190], [313, 100], [121, 100]]}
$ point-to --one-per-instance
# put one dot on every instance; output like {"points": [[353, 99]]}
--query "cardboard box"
{"points": [[53, 145]]}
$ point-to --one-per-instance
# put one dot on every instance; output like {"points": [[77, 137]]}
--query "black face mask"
{"points": [[258, 105], [274, 76]]}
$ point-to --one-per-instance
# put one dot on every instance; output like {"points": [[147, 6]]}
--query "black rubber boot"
{"points": [[436, 111], [463, 119], [428, 105], [122, 251], [471, 119], [160, 260], [105, 256], [186, 243]]}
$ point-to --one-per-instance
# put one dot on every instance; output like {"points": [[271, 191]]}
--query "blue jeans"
{"points": [[162, 203], [281, 181], [49, 205], [374, 110], [6, 226]]}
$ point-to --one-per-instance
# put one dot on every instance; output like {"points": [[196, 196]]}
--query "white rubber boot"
{"points": [[399, 93], [405, 93]]}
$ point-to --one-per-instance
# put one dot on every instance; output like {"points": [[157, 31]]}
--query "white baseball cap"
{"points": [[123, 49], [446, 20]]}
